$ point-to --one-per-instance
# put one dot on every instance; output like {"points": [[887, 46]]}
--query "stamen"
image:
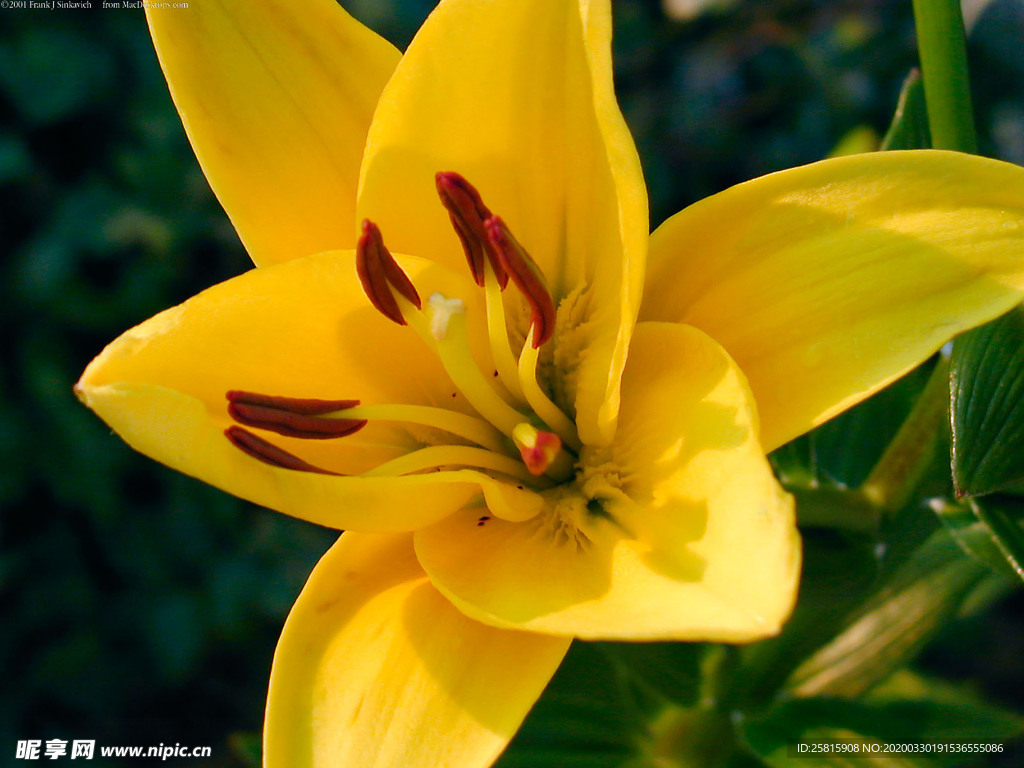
{"points": [[379, 273], [293, 417], [541, 404], [468, 213], [453, 422], [542, 452], [269, 453], [451, 456], [527, 277], [497, 335]]}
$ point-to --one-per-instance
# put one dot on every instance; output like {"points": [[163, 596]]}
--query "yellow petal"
{"points": [[276, 99], [376, 669], [688, 536], [297, 329], [516, 95], [827, 282]]}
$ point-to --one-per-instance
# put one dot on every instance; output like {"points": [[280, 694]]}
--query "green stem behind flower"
{"points": [[942, 47], [892, 482]]}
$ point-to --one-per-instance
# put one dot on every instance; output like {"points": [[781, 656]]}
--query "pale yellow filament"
{"points": [[468, 427], [453, 455], [541, 404], [497, 332]]}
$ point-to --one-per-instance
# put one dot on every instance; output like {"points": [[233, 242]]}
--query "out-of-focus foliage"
{"points": [[138, 606], [141, 607]]}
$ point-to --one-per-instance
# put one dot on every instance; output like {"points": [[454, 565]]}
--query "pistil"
{"points": [[542, 452], [454, 351]]}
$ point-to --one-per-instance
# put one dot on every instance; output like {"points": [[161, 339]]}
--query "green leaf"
{"points": [[843, 451], [938, 710], [987, 407], [1002, 516], [588, 717], [910, 605], [914, 710], [838, 571], [914, 571], [606, 708], [988, 530], [776, 738], [671, 670], [909, 126]]}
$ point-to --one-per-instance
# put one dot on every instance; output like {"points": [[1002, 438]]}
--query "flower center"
{"points": [[518, 433]]}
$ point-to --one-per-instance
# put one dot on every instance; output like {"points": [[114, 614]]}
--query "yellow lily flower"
{"points": [[514, 468]]}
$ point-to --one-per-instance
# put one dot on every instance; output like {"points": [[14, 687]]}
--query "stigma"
{"points": [[442, 309]]}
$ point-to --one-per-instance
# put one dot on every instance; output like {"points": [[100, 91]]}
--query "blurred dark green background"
{"points": [[138, 606]]}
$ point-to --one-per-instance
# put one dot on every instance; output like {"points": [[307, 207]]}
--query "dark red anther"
{"points": [[468, 213], [379, 273], [292, 416], [527, 277], [269, 453]]}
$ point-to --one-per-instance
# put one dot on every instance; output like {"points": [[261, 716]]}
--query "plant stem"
{"points": [[836, 508], [892, 482], [942, 47]]}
